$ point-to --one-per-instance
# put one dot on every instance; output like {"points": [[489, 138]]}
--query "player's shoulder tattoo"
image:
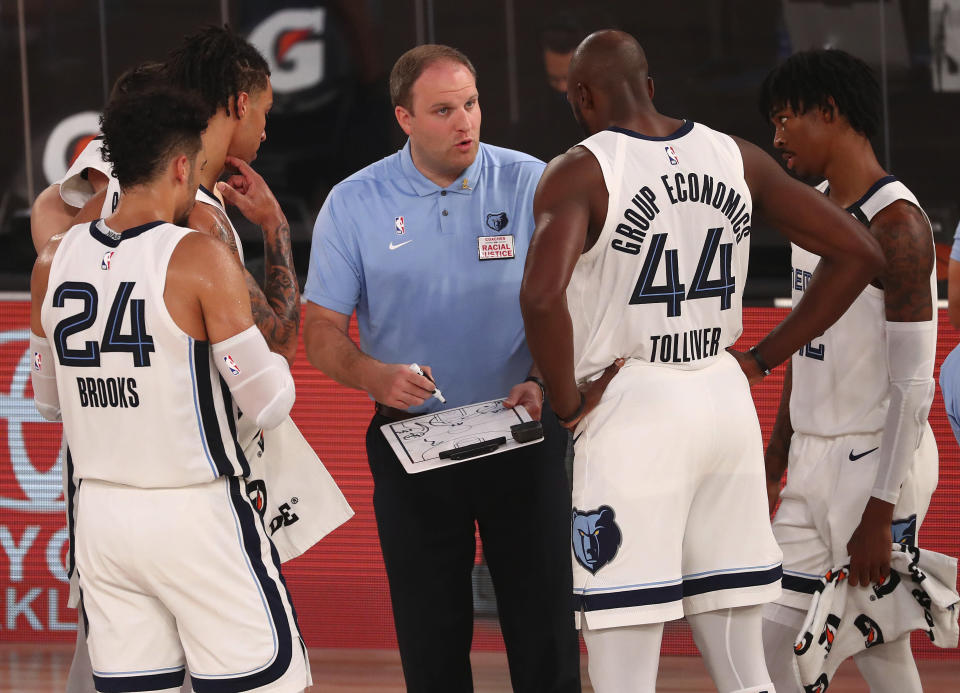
{"points": [[907, 242]]}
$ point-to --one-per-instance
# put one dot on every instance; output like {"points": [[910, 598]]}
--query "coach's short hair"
{"points": [[143, 130], [411, 65], [808, 79], [218, 64]]}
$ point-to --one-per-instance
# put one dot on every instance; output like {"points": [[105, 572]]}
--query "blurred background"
{"points": [[332, 116]]}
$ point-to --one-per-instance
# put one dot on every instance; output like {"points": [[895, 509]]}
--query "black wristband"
{"points": [[577, 413], [535, 379], [764, 368]]}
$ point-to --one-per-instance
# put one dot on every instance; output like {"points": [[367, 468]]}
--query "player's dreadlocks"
{"points": [[142, 130], [217, 64], [807, 79]]}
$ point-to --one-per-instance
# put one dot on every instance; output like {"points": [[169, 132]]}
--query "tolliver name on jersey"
{"points": [[686, 346]]}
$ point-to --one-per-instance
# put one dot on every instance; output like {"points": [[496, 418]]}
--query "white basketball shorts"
{"points": [[670, 512], [828, 485], [184, 577]]}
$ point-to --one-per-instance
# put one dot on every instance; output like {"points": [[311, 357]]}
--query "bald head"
{"points": [[611, 62]]}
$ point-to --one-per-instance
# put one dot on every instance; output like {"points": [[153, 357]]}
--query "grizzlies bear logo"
{"points": [[905, 531], [596, 537], [497, 222]]}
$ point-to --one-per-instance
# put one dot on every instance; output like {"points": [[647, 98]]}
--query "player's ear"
{"points": [[181, 168], [650, 89], [242, 103], [829, 112], [403, 118], [584, 95]]}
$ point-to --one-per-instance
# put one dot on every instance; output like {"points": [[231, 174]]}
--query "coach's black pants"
{"points": [[520, 500]]}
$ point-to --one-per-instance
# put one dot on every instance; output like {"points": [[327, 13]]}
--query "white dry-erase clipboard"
{"points": [[456, 435]]}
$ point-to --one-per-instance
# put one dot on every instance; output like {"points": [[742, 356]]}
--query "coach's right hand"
{"points": [[395, 385]]}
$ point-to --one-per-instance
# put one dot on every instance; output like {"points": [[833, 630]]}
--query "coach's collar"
{"points": [[423, 186]]}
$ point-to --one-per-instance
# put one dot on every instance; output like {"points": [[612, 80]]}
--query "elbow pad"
{"points": [[43, 377], [259, 380], [911, 349]]}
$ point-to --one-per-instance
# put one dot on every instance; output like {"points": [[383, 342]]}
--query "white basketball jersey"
{"points": [[76, 191], [664, 281], [143, 403], [840, 381]]}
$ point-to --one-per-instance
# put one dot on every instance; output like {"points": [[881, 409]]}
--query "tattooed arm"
{"points": [[904, 235], [276, 307]]}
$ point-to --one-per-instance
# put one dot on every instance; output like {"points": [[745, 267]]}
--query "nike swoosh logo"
{"points": [[854, 458], [394, 246]]}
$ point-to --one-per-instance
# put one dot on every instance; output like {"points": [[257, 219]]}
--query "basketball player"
{"points": [[174, 563], [852, 426], [640, 259], [233, 80]]}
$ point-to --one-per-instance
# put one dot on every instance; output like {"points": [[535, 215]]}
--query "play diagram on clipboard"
{"points": [[463, 433]]}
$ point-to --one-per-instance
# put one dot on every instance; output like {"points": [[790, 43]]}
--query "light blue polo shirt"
{"points": [[950, 388], [405, 254], [955, 250]]}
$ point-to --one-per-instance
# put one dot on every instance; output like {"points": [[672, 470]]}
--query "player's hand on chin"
{"points": [[247, 191], [869, 547]]}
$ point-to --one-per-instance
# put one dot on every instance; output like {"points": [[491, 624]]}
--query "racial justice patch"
{"points": [[495, 247]]}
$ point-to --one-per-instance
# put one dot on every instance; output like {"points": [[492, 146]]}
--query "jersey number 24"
{"points": [[137, 341]]}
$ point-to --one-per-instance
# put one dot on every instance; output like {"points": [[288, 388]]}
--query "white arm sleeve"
{"points": [[43, 377], [911, 349], [259, 380]]}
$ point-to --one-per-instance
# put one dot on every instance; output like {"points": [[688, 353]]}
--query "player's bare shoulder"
{"points": [[202, 258], [573, 179], [576, 168], [211, 221], [907, 243], [41, 267], [902, 229]]}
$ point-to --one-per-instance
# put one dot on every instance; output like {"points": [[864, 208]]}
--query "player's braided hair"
{"points": [[806, 80], [218, 64], [143, 130]]}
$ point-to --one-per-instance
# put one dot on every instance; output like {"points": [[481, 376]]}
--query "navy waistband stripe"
{"points": [[135, 684]]}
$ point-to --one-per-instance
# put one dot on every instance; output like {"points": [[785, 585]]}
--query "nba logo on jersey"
{"points": [[672, 155], [107, 258], [37, 361], [398, 223], [231, 364]]}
